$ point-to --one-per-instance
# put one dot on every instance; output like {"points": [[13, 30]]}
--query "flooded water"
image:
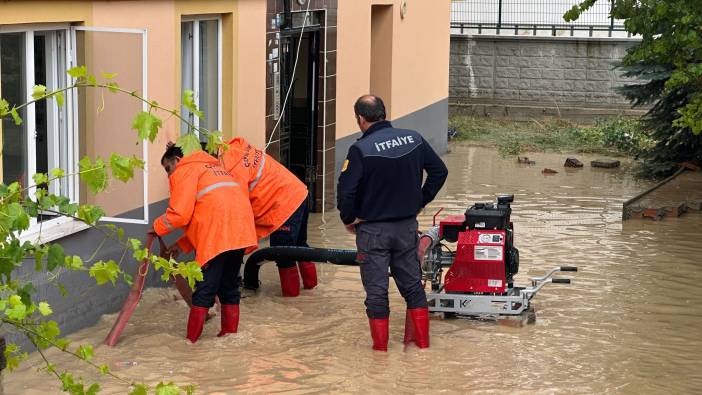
{"points": [[630, 322]]}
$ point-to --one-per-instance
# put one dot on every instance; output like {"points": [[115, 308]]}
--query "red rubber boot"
{"points": [[230, 319], [308, 272], [196, 320], [289, 281], [417, 327], [379, 333]]}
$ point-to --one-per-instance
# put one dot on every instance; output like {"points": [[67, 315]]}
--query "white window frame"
{"points": [[194, 19], [144, 144], [62, 226]]}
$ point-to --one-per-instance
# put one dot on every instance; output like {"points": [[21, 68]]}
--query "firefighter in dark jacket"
{"points": [[379, 195]]}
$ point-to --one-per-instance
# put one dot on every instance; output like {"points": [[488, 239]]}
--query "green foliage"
{"points": [[123, 167], [78, 71], [622, 136], [94, 174], [19, 304], [189, 103], [214, 142], [189, 143], [105, 271], [147, 125], [668, 65]]}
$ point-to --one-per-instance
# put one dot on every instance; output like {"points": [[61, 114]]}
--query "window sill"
{"points": [[53, 231]]}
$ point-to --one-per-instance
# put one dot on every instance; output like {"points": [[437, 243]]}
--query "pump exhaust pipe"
{"points": [[308, 254]]}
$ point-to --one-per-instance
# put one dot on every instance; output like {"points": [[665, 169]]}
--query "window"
{"points": [[44, 140], [201, 70], [49, 135]]}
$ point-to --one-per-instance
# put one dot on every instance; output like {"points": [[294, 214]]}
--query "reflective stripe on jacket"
{"points": [[210, 205], [274, 191]]}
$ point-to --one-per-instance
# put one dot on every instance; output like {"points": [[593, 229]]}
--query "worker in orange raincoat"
{"points": [[279, 202], [215, 212]]}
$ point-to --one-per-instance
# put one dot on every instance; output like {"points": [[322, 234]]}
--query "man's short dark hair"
{"points": [[371, 108], [172, 152]]}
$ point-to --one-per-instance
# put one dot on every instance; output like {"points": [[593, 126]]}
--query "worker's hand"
{"points": [[351, 228], [174, 251]]}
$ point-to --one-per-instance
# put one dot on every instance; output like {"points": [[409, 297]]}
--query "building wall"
{"points": [[243, 95], [419, 86], [537, 72], [419, 96]]}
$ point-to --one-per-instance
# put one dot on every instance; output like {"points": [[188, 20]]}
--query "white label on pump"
{"points": [[480, 224], [490, 238], [494, 283], [487, 253]]}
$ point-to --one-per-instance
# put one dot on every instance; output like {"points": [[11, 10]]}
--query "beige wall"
{"points": [[420, 57], [243, 66]]}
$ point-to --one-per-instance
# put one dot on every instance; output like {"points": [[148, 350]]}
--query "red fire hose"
{"points": [[137, 288]]}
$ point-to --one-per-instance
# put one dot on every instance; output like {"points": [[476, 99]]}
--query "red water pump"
{"points": [[485, 257], [481, 267]]}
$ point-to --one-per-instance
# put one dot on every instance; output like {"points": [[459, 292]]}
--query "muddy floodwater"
{"points": [[630, 322]]}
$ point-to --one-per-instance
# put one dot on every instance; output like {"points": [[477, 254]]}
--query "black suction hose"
{"points": [[309, 254]]}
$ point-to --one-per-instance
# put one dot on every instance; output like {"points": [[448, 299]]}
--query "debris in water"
{"points": [[525, 160], [548, 171], [605, 163], [573, 162]]}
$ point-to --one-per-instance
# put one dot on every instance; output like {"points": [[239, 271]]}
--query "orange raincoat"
{"points": [[210, 205], [275, 193]]}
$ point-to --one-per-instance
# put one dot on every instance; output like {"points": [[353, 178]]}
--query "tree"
{"points": [[668, 65], [19, 307]]}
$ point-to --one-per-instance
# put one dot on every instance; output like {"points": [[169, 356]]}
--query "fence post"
{"points": [[611, 17], [499, 16]]}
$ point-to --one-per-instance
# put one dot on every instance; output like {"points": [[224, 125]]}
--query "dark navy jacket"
{"points": [[381, 179]]}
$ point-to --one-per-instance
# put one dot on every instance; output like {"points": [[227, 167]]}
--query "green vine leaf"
{"points": [[94, 174], [73, 262], [109, 76], [57, 173], [38, 91], [146, 125], [55, 257], [15, 116], [167, 389], [60, 99], [113, 87], [123, 167], [214, 141], [78, 71], [90, 214], [40, 178], [85, 352], [4, 108], [44, 309], [189, 103], [190, 271], [189, 143], [139, 389], [105, 271]]}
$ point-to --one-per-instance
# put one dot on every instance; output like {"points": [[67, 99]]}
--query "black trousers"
{"points": [[220, 278], [394, 245], [292, 233]]}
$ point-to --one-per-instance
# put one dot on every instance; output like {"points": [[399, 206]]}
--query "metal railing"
{"points": [[523, 17]]}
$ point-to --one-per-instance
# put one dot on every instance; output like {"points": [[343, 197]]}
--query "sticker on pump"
{"points": [[494, 283], [490, 238], [487, 254]]}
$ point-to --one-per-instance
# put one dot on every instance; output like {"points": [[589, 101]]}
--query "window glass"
{"points": [[13, 88]]}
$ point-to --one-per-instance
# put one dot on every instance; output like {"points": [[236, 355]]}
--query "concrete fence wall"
{"points": [[542, 74]]}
